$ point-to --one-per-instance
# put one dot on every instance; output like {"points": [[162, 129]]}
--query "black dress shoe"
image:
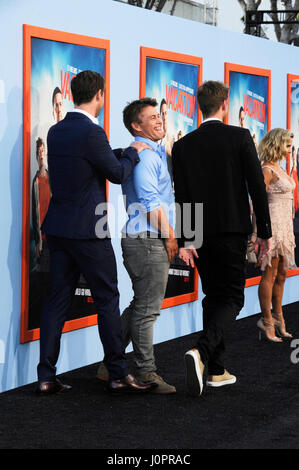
{"points": [[49, 388], [129, 384]]}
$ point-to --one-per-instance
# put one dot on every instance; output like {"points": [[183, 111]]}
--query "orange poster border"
{"points": [[185, 59], [246, 69], [70, 38], [290, 79]]}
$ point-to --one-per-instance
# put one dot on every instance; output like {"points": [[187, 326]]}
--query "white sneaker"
{"points": [[194, 372], [221, 380]]}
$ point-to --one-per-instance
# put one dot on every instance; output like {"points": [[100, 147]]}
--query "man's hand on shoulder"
{"points": [[140, 146]]}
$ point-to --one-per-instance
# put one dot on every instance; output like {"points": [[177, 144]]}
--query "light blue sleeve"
{"points": [[146, 180]]}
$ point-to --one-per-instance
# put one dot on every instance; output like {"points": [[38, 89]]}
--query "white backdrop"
{"points": [[128, 28]]}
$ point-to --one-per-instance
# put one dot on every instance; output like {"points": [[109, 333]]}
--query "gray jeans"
{"points": [[146, 261]]}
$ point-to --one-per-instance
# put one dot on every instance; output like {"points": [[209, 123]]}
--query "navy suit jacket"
{"points": [[80, 160]]}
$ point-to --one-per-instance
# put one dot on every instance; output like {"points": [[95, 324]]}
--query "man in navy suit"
{"points": [[80, 160]]}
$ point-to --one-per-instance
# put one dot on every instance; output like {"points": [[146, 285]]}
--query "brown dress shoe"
{"points": [[129, 384], [49, 388]]}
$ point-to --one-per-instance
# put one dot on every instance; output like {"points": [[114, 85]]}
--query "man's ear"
{"points": [[99, 95], [135, 126], [224, 107]]}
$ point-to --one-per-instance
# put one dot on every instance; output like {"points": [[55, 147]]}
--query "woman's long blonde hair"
{"points": [[272, 147]]}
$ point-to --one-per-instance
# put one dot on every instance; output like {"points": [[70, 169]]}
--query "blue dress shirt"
{"points": [[148, 188]]}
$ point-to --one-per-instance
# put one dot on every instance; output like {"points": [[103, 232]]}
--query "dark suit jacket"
{"points": [[80, 160], [218, 165]]}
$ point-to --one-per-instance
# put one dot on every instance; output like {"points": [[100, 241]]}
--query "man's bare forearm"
{"points": [[158, 219]]}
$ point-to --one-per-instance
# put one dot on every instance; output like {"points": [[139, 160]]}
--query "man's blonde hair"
{"points": [[272, 147]]}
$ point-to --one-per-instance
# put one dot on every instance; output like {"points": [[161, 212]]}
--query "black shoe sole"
{"points": [[192, 381]]}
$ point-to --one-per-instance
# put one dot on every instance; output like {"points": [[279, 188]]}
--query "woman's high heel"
{"points": [[279, 325], [265, 326]]}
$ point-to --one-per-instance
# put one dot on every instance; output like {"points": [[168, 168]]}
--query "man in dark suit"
{"points": [[80, 160], [217, 165]]}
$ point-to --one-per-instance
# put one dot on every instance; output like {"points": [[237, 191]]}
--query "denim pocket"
{"points": [[158, 252], [135, 257]]}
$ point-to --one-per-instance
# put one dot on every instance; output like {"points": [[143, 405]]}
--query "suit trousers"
{"points": [[95, 259], [221, 266]]}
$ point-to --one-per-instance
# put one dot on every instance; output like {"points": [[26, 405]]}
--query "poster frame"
{"points": [[290, 79], [146, 52], [249, 70], [29, 32]]}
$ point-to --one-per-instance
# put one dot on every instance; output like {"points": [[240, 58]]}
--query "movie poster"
{"points": [[174, 85], [248, 103], [53, 65], [292, 166], [249, 108]]}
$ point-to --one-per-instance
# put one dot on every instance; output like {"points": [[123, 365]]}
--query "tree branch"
{"points": [[161, 5], [242, 4], [274, 17], [149, 4]]}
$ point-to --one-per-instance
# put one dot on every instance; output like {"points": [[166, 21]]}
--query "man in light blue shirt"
{"points": [[148, 243], [148, 189]]}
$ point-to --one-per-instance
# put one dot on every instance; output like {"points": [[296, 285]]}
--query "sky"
{"points": [[230, 14]]}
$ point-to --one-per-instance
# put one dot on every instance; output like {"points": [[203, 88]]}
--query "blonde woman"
{"points": [[273, 149]]}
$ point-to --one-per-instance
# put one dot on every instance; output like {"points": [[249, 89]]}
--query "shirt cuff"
{"points": [[150, 206]]}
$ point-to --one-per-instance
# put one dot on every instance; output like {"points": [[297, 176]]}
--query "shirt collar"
{"points": [[154, 145], [212, 119], [90, 116]]}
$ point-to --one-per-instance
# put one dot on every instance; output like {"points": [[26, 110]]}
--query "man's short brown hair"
{"points": [[85, 86], [210, 96], [132, 111]]}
